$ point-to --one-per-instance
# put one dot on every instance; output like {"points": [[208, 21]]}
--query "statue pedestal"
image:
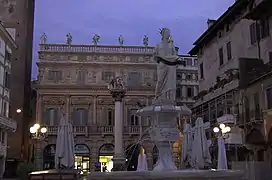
{"points": [[118, 163], [163, 131]]}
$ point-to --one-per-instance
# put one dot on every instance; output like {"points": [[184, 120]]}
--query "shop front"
{"points": [[82, 158], [106, 153]]}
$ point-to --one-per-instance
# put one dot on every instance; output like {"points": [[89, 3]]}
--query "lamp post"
{"points": [[37, 134], [222, 133]]}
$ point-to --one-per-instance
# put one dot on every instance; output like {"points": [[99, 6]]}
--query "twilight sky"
{"points": [[131, 18]]}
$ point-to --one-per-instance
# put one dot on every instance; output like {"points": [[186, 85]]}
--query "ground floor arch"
{"points": [[106, 152], [49, 156], [82, 158]]}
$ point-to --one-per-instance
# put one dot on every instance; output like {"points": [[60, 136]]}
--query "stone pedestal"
{"points": [[118, 158], [163, 131]]}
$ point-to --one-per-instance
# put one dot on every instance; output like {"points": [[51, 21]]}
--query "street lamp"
{"points": [[38, 134], [222, 130], [19, 111]]}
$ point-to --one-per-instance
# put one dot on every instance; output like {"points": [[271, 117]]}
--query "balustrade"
{"points": [[7, 123], [92, 49], [104, 130]]}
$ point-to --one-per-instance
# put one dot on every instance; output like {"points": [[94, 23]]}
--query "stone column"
{"points": [[118, 93]]}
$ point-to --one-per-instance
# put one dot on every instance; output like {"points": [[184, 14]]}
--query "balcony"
{"points": [[98, 130], [77, 130], [7, 123], [106, 130], [259, 9]]}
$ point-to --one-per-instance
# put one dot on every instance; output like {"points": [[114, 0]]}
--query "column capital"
{"points": [[118, 94]]}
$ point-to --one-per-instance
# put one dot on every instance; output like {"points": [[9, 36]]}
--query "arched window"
{"points": [[134, 120]]}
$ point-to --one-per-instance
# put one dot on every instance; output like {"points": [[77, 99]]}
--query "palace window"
{"points": [[134, 79], [51, 116], [81, 77], [190, 92], [221, 56], [201, 69], [189, 61], [264, 28], [134, 119], [80, 117], [110, 117], [229, 54], [54, 75], [107, 75]]}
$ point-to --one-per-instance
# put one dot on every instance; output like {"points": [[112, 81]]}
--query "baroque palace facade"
{"points": [[73, 79]]}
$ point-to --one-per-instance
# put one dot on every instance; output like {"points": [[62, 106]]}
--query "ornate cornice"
{"points": [[81, 100], [59, 100]]}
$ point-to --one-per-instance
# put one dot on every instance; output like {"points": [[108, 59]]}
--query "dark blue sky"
{"points": [[131, 18]]}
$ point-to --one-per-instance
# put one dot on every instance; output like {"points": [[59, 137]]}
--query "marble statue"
{"points": [[69, 39], [43, 38], [96, 39], [145, 40], [121, 40], [116, 83], [166, 56]]}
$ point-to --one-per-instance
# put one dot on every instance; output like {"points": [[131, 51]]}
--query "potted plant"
{"points": [[24, 169]]}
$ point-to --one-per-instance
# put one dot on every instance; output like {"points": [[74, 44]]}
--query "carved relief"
{"points": [[106, 101], [41, 56], [81, 100], [91, 77], [54, 100]]}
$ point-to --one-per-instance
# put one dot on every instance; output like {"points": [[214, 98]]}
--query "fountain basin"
{"points": [[169, 175]]}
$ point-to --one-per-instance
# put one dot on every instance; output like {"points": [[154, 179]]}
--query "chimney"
{"points": [[210, 22]]}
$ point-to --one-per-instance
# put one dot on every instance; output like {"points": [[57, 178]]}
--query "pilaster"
{"points": [[39, 108], [94, 109]]}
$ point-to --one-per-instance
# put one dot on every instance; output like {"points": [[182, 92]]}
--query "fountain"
{"points": [[163, 132]]}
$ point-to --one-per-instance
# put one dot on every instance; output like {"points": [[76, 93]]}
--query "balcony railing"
{"points": [[7, 123], [102, 130], [77, 130]]}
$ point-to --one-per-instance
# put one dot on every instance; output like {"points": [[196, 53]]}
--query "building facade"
{"points": [[219, 49], [73, 80], [187, 80], [7, 45], [19, 16]]}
